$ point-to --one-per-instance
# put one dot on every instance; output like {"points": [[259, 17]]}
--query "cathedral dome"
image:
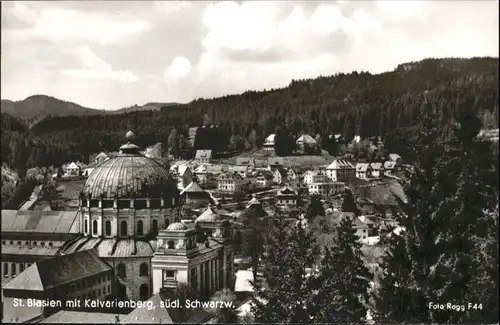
{"points": [[176, 226], [129, 175]]}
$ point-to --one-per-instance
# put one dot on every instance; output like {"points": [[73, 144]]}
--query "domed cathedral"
{"points": [[125, 201], [199, 254]]}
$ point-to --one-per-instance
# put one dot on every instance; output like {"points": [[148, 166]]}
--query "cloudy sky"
{"points": [[109, 55]]}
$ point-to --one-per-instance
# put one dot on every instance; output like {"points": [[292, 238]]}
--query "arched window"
{"points": [[94, 227], [13, 269], [155, 226], [86, 226], [123, 229], [144, 270], [121, 270], [171, 244], [108, 228], [140, 228], [144, 292]]}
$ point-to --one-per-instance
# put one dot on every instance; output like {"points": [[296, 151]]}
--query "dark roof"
{"points": [[126, 176], [59, 222], [55, 271], [160, 315]]}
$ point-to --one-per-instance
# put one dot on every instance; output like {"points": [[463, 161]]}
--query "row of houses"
{"points": [[304, 143]]}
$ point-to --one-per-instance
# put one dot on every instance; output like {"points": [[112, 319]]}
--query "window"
{"points": [[42, 244], [168, 275], [13, 269], [123, 229], [121, 270], [99, 292], [171, 244], [5, 269], [4, 242], [108, 228], [155, 226], [94, 227], [21, 268], [143, 270], [11, 242], [86, 229], [34, 243], [19, 243], [143, 292], [50, 244], [109, 287], [140, 228], [27, 243]]}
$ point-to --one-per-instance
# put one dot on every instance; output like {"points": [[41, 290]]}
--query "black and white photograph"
{"points": [[250, 162]]}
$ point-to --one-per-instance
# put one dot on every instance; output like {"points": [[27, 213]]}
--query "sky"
{"points": [[113, 54]]}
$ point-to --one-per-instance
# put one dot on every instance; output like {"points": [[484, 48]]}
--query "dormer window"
{"points": [[170, 244]]}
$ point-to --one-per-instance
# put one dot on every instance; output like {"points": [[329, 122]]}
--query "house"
{"points": [[326, 188], [155, 151], [363, 170], [245, 161], [269, 142], [389, 167], [101, 157], [340, 170], [203, 156], [291, 174], [193, 193], [87, 170], [314, 176], [264, 178], [73, 169], [183, 174], [242, 170], [376, 169], [69, 277], [202, 174], [365, 227], [306, 143], [274, 162], [395, 157], [287, 196], [229, 182], [279, 176]]}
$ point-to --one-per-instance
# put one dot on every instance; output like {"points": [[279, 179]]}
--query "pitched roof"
{"points": [[203, 154], [306, 138], [287, 190], [394, 156], [58, 270], [362, 167], [209, 215], [193, 187], [253, 201], [73, 165], [59, 222], [389, 164], [270, 139], [340, 164]]}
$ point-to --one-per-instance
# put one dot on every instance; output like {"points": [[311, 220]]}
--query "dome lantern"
{"points": [[129, 147]]}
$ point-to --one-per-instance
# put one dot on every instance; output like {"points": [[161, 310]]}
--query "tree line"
{"points": [[386, 105]]}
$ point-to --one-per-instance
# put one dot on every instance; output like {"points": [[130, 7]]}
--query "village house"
{"points": [[279, 176], [314, 176], [73, 169], [245, 161], [88, 169], [287, 197], [269, 142], [229, 182], [395, 158], [376, 169], [203, 156], [291, 174], [389, 168], [326, 189], [194, 194], [274, 163], [306, 144], [363, 170], [264, 178], [183, 174], [242, 170], [365, 227], [340, 170]]}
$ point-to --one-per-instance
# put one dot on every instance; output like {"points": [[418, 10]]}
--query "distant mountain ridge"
{"points": [[37, 107]]}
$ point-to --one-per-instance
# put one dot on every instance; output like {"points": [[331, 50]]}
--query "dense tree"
{"points": [[315, 208], [290, 249], [253, 232], [173, 143], [51, 194], [341, 282]]}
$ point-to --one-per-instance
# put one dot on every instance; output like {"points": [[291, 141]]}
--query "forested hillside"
{"points": [[384, 105]]}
